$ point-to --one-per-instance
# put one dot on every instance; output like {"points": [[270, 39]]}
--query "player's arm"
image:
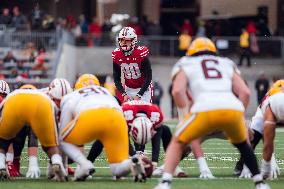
{"points": [[268, 133], [240, 89], [117, 78], [268, 137], [179, 90], [147, 70]]}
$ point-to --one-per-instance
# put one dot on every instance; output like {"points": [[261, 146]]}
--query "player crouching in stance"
{"points": [[90, 113], [37, 110], [256, 131], [220, 97]]}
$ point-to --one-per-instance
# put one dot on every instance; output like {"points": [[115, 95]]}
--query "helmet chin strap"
{"points": [[127, 53]]}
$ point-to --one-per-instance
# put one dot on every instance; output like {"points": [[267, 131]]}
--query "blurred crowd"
{"points": [[27, 63]]}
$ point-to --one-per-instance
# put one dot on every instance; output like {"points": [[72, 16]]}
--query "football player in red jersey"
{"points": [[134, 63]]}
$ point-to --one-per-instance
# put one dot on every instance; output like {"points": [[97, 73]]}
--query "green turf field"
{"points": [[220, 156]]}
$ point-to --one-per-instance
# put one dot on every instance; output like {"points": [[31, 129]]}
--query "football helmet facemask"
{"points": [[127, 33]]}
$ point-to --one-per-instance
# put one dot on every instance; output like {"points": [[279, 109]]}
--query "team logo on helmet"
{"points": [[127, 33], [141, 130], [4, 87], [58, 88]]}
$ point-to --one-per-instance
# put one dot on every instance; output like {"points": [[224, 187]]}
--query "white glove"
{"points": [[265, 169], [33, 171], [245, 173], [206, 174], [275, 171]]}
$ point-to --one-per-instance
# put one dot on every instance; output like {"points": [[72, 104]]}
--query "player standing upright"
{"points": [[132, 61], [220, 97]]}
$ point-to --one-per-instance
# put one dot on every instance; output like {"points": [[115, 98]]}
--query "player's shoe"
{"points": [[17, 164], [158, 171], [238, 169], [59, 173], [82, 172], [70, 171], [262, 186], [164, 185], [179, 172], [138, 169], [12, 170]]}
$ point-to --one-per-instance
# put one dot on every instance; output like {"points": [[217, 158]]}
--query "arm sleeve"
{"points": [[117, 79], [147, 70]]}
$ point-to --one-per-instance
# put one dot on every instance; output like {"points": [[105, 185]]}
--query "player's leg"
{"points": [[235, 129], [192, 127], [78, 132], [44, 127], [10, 125], [33, 170], [95, 151], [114, 134], [199, 156], [13, 163], [255, 130], [166, 137]]}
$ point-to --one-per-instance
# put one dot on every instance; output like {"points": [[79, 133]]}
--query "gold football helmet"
{"points": [[277, 87], [28, 86], [86, 80], [201, 44]]}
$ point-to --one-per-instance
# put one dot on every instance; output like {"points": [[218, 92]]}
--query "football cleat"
{"points": [[59, 173], [50, 174], [164, 185], [262, 186], [179, 172], [158, 171], [4, 174], [84, 171], [12, 169], [70, 171]]}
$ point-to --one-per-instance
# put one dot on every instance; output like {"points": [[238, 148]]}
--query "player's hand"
{"points": [[265, 169], [126, 98], [33, 172], [245, 173], [136, 98], [206, 174], [275, 171]]}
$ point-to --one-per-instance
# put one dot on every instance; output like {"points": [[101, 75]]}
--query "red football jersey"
{"points": [[131, 65], [153, 112]]}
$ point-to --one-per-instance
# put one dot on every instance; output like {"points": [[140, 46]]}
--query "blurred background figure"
{"points": [[261, 86], [5, 18], [245, 48], [157, 92], [184, 42], [109, 85], [187, 27]]}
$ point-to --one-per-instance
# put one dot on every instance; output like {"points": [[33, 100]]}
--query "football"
{"points": [[149, 168]]}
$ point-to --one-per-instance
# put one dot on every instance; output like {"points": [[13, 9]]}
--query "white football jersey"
{"points": [[91, 97], [276, 103], [210, 82]]}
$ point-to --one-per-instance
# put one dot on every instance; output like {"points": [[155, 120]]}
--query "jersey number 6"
{"points": [[209, 67]]}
